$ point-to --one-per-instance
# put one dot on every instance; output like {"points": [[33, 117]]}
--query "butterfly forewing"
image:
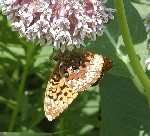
{"points": [[107, 65], [83, 69], [57, 96]]}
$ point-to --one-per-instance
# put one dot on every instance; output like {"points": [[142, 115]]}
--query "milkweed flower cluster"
{"points": [[61, 23]]}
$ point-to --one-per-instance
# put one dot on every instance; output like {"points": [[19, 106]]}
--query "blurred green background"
{"points": [[114, 107]]}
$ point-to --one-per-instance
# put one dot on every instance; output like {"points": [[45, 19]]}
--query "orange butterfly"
{"points": [[74, 72]]}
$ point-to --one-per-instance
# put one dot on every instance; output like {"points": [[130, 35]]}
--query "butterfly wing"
{"points": [[73, 73], [107, 65], [84, 69], [57, 96]]}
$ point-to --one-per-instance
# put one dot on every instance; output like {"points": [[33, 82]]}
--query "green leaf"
{"points": [[137, 29], [125, 111]]}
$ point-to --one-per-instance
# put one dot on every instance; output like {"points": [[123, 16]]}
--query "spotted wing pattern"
{"points": [[73, 73], [57, 96], [82, 69]]}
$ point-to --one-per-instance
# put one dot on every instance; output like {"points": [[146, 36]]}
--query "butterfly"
{"points": [[74, 72]]}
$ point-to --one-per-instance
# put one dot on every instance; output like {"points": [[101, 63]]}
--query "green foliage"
{"points": [[115, 107]]}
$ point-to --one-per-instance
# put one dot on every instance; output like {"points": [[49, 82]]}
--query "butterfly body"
{"points": [[74, 72]]}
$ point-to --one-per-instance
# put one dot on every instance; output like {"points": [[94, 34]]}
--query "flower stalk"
{"points": [[138, 70]]}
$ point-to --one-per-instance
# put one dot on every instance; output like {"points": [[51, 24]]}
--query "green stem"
{"points": [[130, 49], [21, 87]]}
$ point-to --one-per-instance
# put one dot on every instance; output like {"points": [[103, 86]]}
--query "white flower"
{"points": [[62, 24]]}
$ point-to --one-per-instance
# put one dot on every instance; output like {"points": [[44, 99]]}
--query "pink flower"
{"points": [[61, 23]]}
